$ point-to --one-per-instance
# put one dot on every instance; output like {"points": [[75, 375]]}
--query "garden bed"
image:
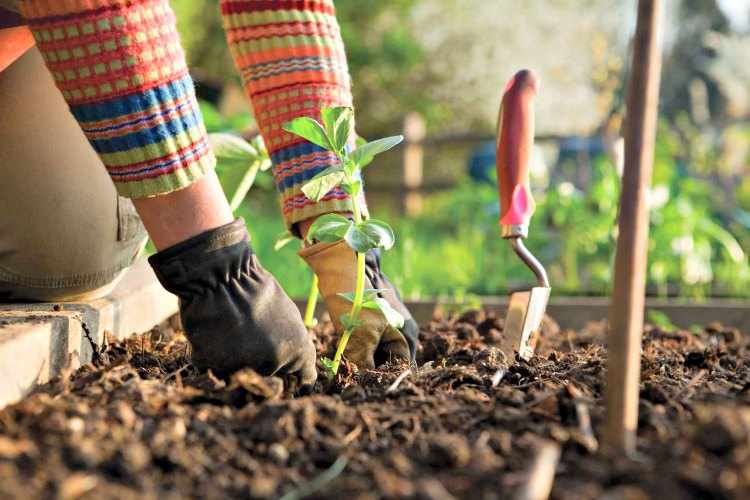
{"points": [[142, 423]]}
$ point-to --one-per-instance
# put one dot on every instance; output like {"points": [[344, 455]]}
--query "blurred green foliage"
{"points": [[700, 215], [383, 55], [381, 52], [202, 35], [454, 249]]}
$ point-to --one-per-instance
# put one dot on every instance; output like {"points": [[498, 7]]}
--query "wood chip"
{"points": [[398, 381], [541, 475]]}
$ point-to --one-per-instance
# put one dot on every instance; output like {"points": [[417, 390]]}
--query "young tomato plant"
{"points": [[361, 235]]}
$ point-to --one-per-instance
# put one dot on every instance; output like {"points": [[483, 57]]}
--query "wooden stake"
{"points": [[628, 297]]}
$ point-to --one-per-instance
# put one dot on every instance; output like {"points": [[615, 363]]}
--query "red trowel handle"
{"points": [[515, 141]]}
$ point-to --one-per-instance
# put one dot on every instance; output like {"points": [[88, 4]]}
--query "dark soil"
{"points": [[142, 423]]}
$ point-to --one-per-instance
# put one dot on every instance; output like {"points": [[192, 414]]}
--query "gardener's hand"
{"points": [[375, 341], [234, 312]]}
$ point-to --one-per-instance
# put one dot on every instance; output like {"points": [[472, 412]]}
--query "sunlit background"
{"points": [[445, 62]]}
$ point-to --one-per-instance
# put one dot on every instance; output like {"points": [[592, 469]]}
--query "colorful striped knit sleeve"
{"points": [[121, 68], [292, 62]]}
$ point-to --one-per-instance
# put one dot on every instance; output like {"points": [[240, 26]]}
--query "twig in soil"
{"points": [[538, 400], [175, 373], [398, 381], [534, 382], [354, 434], [693, 382], [497, 377], [369, 425], [319, 482], [584, 419], [542, 473], [557, 377], [584, 425], [432, 488]]}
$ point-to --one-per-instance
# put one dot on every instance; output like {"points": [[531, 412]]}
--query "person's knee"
{"points": [[63, 229], [71, 270]]}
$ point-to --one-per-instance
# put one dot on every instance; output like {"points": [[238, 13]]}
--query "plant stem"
{"points": [[244, 186], [355, 209], [312, 299], [340, 351], [354, 314], [359, 292]]}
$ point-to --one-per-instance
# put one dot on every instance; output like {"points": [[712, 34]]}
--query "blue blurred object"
{"points": [[572, 148], [482, 162], [575, 148]]}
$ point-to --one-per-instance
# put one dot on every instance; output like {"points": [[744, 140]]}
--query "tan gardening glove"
{"points": [[335, 264]]}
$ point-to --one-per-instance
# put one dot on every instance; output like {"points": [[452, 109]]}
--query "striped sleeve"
{"points": [[120, 67], [292, 62]]}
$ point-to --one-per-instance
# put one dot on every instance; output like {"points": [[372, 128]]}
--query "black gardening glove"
{"points": [[233, 311], [379, 280]]}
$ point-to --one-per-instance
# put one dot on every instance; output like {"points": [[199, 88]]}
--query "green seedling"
{"points": [[361, 235], [233, 152], [661, 320], [312, 297]]}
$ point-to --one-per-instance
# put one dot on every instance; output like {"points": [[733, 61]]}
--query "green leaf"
{"points": [[244, 186], [348, 323], [231, 148], [283, 240], [350, 167], [725, 238], [363, 155], [370, 234], [260, 146], [660, 320], [371, 293], [320, 185], [392, 316], [352, 189], [349, 296], [358, 240], [265, 164], [329, 117], [378, 232], [309, 129], [329, 366], [344, 128], [368, 295], [338, 123], [329, 228]]}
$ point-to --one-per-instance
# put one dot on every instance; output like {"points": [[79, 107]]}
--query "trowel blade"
{"points": [[522, 322]]}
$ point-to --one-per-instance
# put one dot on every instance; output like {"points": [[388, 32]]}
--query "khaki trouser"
{"points": [[64, 232]]}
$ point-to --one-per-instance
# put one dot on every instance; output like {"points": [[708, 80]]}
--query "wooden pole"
{"points": [[414, 134], [628, 297]]}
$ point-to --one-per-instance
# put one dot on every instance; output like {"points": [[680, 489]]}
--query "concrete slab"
{"points": [[38, 340], [21, 374]]}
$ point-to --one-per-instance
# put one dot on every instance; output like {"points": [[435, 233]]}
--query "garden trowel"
{"points": [[515, 141]]}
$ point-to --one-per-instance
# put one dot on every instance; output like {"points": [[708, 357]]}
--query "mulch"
{"points": [[141, 422]]}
